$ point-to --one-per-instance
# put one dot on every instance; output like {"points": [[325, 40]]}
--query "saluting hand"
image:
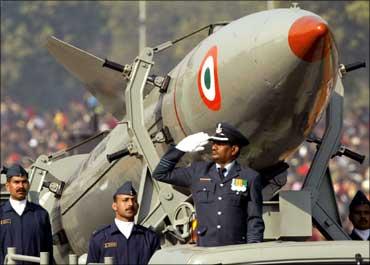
{"points": [[193, 143]]}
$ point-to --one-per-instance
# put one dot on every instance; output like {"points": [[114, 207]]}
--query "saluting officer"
{"points": [[23, 224], [359, 214], [123, 240], [227, 197]]}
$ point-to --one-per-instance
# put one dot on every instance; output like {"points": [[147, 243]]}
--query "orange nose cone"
{"points": [[309, 38]]}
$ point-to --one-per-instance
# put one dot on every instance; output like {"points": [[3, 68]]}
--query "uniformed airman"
{"points": [[23, 224], [359, 215], [123, 240], [227, 197]]}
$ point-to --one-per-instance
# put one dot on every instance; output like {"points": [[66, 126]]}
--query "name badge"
{"points": [[5, 221], [110, 245], [204, 179], [239, 185]]}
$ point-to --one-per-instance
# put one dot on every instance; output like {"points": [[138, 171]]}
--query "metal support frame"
{"points": [[108, 260], [12, 257], [318, 180], [168, 197], [72, 259]]}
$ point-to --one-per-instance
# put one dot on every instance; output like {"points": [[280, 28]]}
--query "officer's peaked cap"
{"points": [[14, 170], [359, 199], [225, 132], [126, 189]]}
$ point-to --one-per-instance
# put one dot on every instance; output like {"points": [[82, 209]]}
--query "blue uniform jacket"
{"points": [[354, 236], [225, 214], [29, 233], [110, 242]]}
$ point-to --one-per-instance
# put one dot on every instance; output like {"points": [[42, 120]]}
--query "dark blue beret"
{"points": [[359, 199], [126, 189], [227, 133], [14, 170]]}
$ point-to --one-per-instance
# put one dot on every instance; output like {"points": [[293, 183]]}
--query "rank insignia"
{"points": [[239, 185], [110, 245]]}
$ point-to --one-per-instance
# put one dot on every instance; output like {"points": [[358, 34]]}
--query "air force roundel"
{"points": [[208, 85]]}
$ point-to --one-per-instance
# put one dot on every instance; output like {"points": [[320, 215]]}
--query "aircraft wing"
{"points": [[105, 84]]}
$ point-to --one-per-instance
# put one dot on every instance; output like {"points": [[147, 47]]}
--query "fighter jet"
{"points": [[271, 74]]}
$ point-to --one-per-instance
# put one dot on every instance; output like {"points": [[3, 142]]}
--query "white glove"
{"points": [[193, 143]]}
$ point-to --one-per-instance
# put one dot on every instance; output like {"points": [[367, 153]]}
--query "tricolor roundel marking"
{"points": [[208, 85]]}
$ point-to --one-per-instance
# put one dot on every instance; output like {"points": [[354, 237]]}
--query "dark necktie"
{"points": [[221, 172]]}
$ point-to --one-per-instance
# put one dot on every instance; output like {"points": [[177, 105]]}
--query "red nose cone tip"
{"points": [[309, 38]]}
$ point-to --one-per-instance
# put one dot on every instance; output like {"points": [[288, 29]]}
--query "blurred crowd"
{"points": [[25, 134]]}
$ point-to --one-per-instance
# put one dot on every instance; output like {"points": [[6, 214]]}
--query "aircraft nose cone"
{"points": [[309, 38]]}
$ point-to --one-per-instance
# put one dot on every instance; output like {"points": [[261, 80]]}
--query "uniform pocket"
{"points": [[237, 198], [204, 192]]}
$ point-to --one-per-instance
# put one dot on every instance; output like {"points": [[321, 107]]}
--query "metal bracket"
{"points": [[318, 180], [142, 143], [55, 187], [39, 170], [163, 136], [37, 176]]}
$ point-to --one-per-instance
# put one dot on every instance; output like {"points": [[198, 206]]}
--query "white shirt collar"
{"points": [[124, 227], [18, 206], [227, 167], [364, 234]]}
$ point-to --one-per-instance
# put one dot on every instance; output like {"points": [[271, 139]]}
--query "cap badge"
{"points": [[239, 185], [219, 129]]}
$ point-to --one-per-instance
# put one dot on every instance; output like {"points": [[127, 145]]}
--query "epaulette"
{"points": [[141, 228], [144, 229], [100, 229]]}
